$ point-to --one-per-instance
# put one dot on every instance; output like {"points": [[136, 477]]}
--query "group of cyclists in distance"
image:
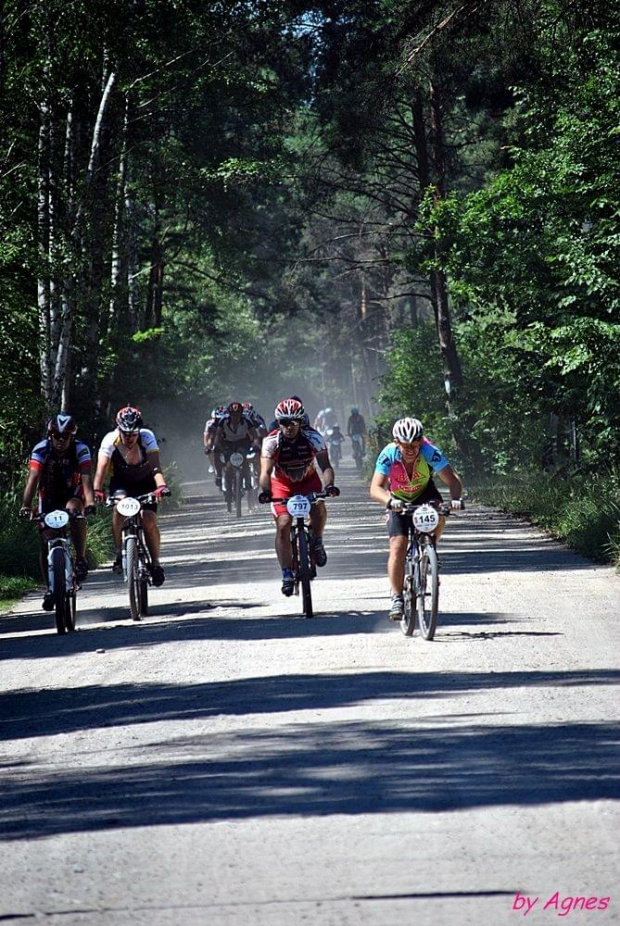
{"points": [[290, 457]]}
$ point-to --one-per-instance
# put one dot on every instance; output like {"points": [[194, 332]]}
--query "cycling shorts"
{"points": [[134, 489], [281, 488], [398, 525], [59, 499]]}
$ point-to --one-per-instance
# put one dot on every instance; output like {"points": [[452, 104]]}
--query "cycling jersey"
{"points": [[230, 434], [294, 460], [123, 473], [60, 474], [390, 463]]}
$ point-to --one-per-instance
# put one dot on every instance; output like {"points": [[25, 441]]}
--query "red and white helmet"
{"points": [[129, 419], [290, 408], [407, 430]]}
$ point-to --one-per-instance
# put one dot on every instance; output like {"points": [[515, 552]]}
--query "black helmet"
{"points": [[61, 426], [129, 419]]}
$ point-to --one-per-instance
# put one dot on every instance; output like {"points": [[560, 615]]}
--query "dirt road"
{"points": [[227, 762]]}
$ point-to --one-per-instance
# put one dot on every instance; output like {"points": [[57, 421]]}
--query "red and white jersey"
{"points": [[294, 460]]}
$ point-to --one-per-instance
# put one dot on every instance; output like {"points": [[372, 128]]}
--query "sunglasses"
{"points": [[58, 436], [287, 422]]}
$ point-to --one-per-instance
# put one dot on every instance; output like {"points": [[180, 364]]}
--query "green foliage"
{"points": [[580, 510]]}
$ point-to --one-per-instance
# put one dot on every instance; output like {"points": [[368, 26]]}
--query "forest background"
{"points": [[407, 206]]}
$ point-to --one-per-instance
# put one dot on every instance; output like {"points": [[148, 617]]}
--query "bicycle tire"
{"points": [[408, 621], [238, 494], [144, 595], [305, 572], [70, 612], [428, 591], [60, 589], [133, 577], [228, 491]]}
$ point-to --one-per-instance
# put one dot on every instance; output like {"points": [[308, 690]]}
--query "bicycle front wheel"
{"points": [[70, 611], [428, 591], [60, 589], [305, 572], [238, 495], [407, 624], [133, 577]]}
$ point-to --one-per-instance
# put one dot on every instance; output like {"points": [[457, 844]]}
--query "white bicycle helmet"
{"points": [[407, 430]]}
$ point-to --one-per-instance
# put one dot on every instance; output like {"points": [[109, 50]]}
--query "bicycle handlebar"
{"points": [[444, 508], [149, 499]]}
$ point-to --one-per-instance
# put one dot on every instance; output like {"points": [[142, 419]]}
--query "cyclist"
{"points": [[234, 432], [404, 473], [208, 438], [132, 452], [60, 471], [289, 461], [325, 419], [356, 429]]}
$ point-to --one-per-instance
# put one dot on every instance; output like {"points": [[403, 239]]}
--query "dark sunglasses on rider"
{"points": [[59, 435], [287, 422]]}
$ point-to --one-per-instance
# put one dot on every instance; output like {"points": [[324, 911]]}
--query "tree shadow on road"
{"points": [[314, 769]]}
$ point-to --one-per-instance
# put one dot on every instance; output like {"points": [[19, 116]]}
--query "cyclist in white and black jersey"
{"points": [[235, 432], [132, 452]]}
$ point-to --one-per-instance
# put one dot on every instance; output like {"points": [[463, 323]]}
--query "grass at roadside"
{"points": [[581, 510]]}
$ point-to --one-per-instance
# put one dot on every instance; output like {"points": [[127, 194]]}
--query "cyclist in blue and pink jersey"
{"points": [[60, 473], [404, 473]]}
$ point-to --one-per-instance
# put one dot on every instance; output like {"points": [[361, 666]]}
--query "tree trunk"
{"points": [[435, 177], [43, 238]]}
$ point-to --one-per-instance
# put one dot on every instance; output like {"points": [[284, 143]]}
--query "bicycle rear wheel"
{"points": [[60, 589], [428, 591], [408, 621], [133, 577], [238, 493], [305, 572]]}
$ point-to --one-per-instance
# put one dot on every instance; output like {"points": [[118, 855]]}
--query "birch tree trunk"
{"points": [[43, 228]]}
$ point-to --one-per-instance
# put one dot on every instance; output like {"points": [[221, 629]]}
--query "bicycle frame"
{"points": [[421, 587], [304, 567], [61, 577], [136, 559]]}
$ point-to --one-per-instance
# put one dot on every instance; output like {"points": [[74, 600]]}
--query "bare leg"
{"points": [[284, 550], [318, 518], [151, 535], [396, 564]]}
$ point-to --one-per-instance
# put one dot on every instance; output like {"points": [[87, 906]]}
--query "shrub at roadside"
{"points": [[581, 511]]}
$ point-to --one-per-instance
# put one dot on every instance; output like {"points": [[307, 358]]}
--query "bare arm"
{"points": [[452, 480], [160, 479], [87, 485], [103, 462], [327, 473], [30, 488], [379, 491], [266, 468]]}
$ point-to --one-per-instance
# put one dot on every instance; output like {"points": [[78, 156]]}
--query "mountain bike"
{"points": [[235, 471], [421, 588], [61, 578], [358, 451], [304, 567], [136, 558]]}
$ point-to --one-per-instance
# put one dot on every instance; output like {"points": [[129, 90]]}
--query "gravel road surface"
{"points": [[226, 761]]}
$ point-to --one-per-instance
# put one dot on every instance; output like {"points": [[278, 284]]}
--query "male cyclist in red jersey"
{"points": [[289, 459], [60, 473]]}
